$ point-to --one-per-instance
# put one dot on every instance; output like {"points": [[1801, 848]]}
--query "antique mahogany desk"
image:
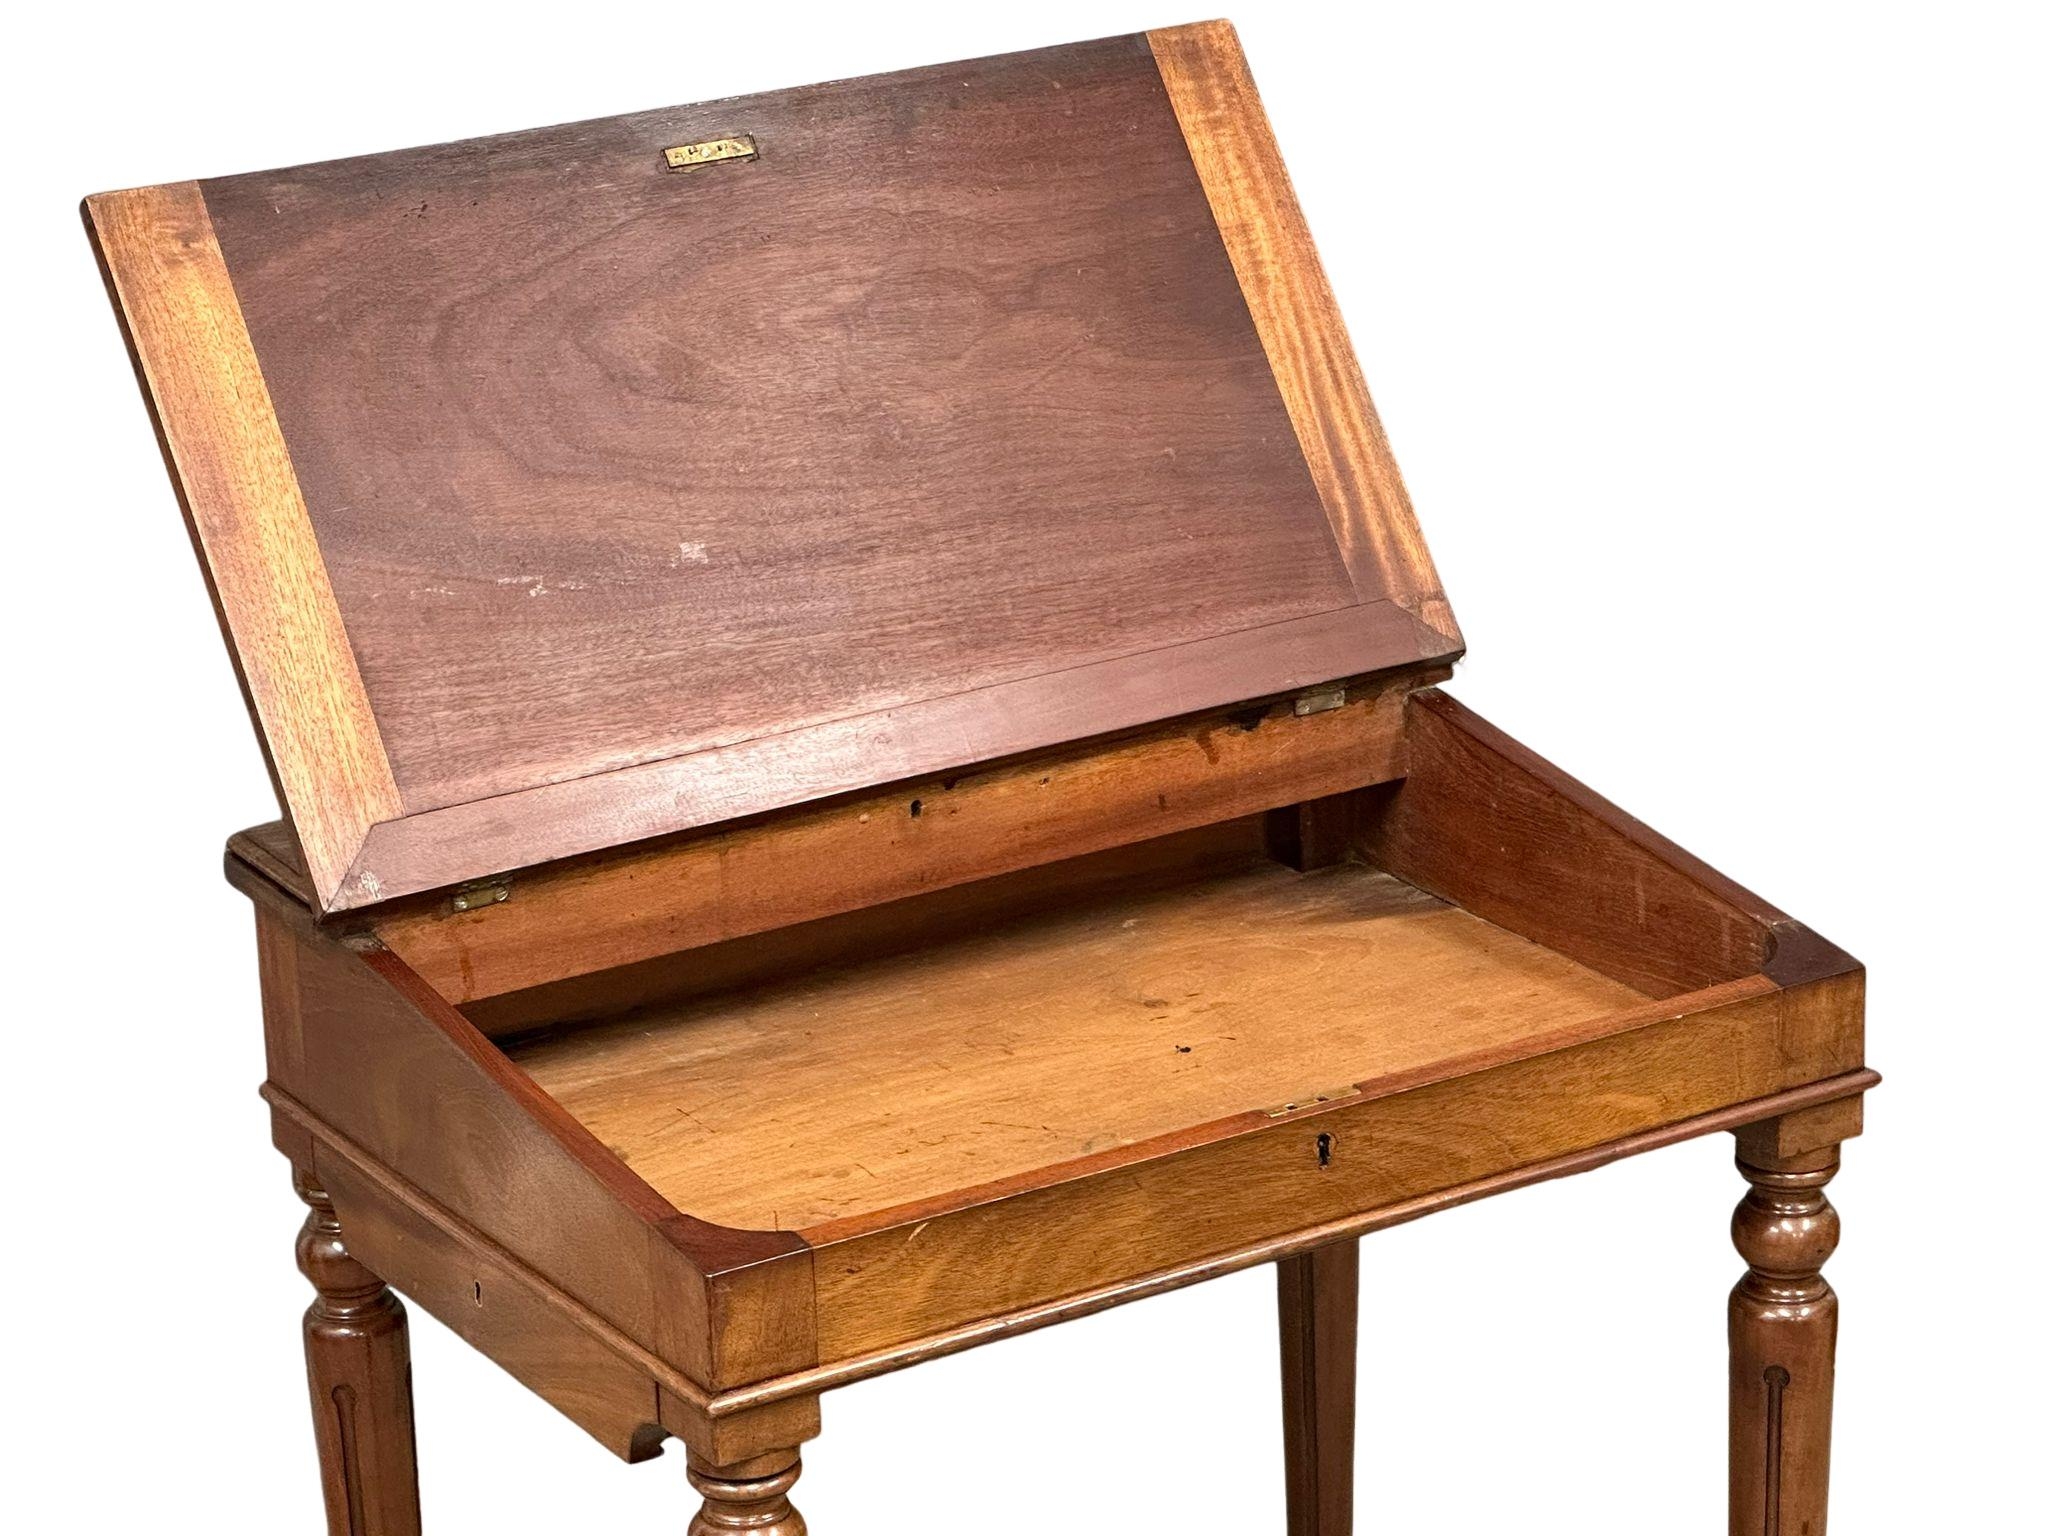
{"points": [[853, 685]]}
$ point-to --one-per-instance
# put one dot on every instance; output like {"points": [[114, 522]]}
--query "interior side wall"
{"points": [[1483, 822]]}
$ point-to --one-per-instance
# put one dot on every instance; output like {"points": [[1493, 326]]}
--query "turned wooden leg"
{"points": [[360, 1370], [751, 1496], [1781, 1346], [1319, 1377]]}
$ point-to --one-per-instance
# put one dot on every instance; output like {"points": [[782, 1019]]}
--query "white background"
{"points": [[1711, 340]]}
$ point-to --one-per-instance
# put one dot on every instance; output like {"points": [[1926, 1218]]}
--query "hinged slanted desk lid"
{"points": [[571, 487]]}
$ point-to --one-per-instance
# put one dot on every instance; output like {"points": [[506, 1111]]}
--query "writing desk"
{"points": [[854, 689]]}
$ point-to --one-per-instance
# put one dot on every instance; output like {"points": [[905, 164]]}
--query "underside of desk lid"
{"points": [[555, 497]]}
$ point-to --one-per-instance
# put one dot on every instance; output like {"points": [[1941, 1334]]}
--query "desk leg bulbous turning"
{"points": [[750, 1496], [359, 1366], [1781, 1348]]}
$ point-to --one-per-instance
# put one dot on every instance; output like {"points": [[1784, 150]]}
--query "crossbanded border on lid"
{"points": [[555, 497]]}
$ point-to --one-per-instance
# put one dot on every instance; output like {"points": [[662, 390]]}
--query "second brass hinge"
{"points": [[1310, 1101], [481, 893], [1314, 701]]}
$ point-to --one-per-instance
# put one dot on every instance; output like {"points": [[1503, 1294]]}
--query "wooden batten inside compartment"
{"points": [[1403, 781], [581, 916]]}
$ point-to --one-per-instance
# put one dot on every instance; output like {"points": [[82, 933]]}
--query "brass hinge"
{"points": [[1315, 700], [1310, 1101], [481, 893]]}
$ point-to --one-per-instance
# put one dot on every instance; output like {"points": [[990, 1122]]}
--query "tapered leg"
{"points": [[360, 1369], [1781, 1347], [1319, 1377], [750, 1496]]}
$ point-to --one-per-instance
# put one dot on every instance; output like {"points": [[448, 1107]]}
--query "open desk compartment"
{"points": [[879, 1131]]}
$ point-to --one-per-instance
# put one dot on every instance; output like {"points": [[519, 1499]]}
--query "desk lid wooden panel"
{"points": [[555, 498]]}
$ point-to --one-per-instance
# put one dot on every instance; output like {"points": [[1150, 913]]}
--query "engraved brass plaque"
{"points": [[688, 157]]}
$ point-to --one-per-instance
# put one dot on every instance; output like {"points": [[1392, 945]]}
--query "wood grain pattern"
{"points": [[1010, 1253], [920, 836], [221, 438], [1297, 317], [502, 1311], [553, 821], [895, 412], [739, 1420], [1194, 1269], [938, 433], [624, 1395], [1112, 1018], [1482, 821], [1059, 1233], [927, 921], [367, 1049], [1777, 1140]]}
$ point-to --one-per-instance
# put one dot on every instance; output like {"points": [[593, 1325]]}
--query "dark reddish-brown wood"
{"points": [[1319, 1386], [360, 1371], [611, 464], [941, 430]]}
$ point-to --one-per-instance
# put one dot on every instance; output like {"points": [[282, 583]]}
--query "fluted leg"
{"points": [[359, 1366], [1319, 1377], [750, 1496], [1781, 1348]]}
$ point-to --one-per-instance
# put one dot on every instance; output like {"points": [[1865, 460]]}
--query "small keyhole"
{"points": [[478, 1291], [1324, 1142]]}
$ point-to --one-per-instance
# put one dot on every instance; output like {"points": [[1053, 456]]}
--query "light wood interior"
{"points": [[1110, 1012]]}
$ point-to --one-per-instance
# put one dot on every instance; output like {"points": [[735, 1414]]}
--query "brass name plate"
{"points": [[687, 157]]}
